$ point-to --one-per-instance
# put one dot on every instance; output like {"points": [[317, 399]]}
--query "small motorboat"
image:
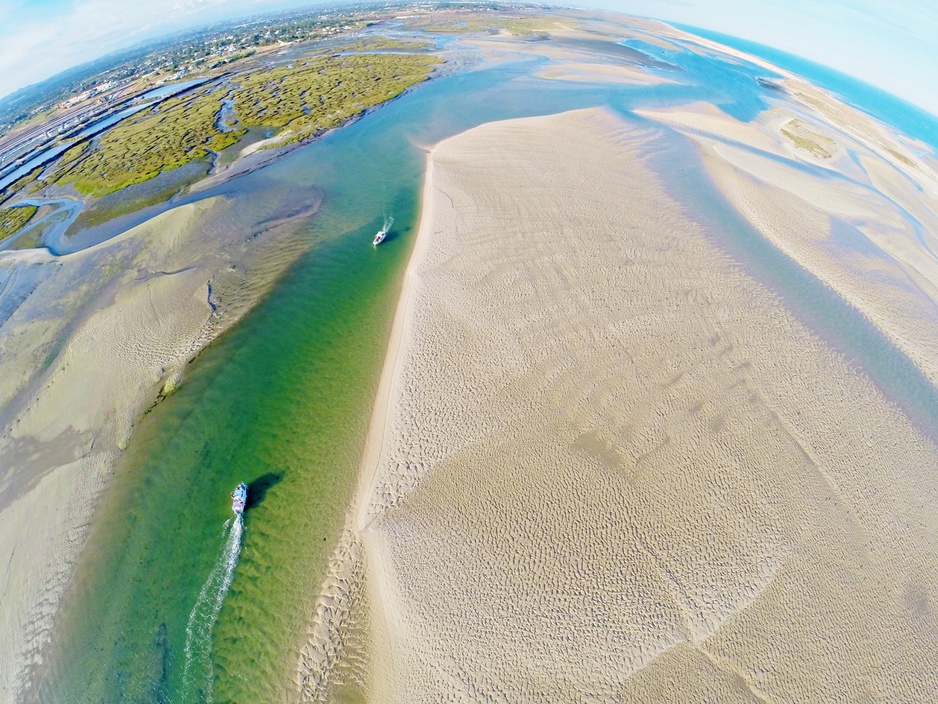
{"points": [[239, 498], [383, 232]]}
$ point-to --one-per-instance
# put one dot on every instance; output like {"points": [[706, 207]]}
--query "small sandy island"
{"points": [[606, 464]]}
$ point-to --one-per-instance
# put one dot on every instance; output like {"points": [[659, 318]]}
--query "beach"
{"points": [[865, 225], [607, 463]]}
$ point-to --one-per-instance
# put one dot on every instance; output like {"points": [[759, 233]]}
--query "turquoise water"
{"points": [[175, 602], [882, 105], [732, 86]]}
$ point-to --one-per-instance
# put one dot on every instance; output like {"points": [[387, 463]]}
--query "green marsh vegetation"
{"points": [[473, 23], [325, 92], [805, 138], [12, 220], [140, 148], [298, 102], [141, 195], [378, 43], [27, 183]]}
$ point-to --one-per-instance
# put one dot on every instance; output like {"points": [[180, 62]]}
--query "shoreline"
{"points": [[575, 439], [143, 313], [394, 358], [362, 589], [343, 574], [837, 320]]}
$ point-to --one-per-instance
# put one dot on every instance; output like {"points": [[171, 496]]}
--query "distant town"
{"points": [[60, 106], [67, 102]]}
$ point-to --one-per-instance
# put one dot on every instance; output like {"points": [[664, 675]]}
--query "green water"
{"points": [[282, 402]]}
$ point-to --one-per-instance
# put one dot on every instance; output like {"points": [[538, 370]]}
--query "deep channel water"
{"points": [[281, 402]]}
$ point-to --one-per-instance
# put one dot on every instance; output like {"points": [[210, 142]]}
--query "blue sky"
{"points": [[893, 45]]}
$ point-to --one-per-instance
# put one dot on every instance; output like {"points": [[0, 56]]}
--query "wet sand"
{"points": [[865, 221], [605, 462], [89, 342]]}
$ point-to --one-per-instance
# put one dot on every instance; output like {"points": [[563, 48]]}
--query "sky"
{"points": [[889, 43]]}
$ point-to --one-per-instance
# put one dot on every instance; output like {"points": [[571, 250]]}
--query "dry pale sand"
{"points": [[568, 61], [587, 72], [866, 221], [605, 464], [87, 342]]}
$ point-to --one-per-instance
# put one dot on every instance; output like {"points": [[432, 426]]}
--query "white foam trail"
{"points": [[388, 221], [198, 650]]}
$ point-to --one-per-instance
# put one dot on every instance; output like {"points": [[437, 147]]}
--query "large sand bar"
{"points": [[606, 464]]}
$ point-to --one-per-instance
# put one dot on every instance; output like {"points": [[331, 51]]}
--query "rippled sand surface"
{"points": [[89, 342], [606, 464]]}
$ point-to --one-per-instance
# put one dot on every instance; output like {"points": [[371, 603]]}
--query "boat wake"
{"points": [[197, 673]]}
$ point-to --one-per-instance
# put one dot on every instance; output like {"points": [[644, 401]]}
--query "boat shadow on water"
{"points": [[257, 489]]}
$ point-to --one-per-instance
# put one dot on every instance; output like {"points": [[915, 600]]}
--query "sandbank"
{"points": [[89, 341], [601, 73], [606, 464], [864, 221]]}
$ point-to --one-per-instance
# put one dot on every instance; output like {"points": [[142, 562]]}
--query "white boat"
{"points": [[239, 498], [383, 232]]}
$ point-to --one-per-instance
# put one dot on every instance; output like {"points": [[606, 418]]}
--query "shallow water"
{"points": [[282, 402], [734, 86], [64, 215], [197, 651], [812, 301], [884, 106]]}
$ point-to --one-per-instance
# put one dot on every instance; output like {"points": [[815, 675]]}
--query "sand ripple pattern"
{"points": [[88, 341], [607, 465]]}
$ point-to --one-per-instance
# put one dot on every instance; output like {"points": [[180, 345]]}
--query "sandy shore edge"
{"points": [[665, 429], [390, 371], [134, 311]]}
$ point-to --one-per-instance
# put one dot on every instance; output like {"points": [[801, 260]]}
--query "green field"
{"points": [[808, 140], [463, 23], [379, 43]]}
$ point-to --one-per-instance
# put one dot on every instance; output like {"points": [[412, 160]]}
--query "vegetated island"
{"points": [[90, 340], [254, 105]]}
